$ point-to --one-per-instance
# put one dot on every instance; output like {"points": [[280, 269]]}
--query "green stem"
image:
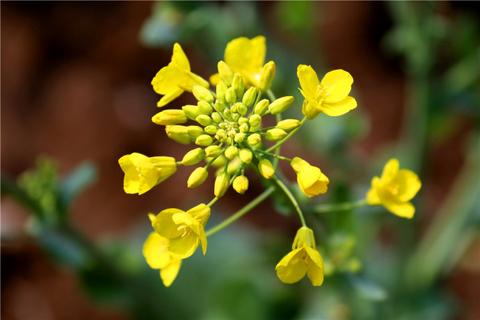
{"points": [[212, 202], [333, 207], [291, 133], [240, 213], [292, 199], [279, 157]]}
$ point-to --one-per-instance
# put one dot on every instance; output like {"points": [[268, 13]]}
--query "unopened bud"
{"points": [[216, 117], [275, 134], [231, 152], [240, 184], [250, 96], [204, 107], [231, 96], [226, 74], [288, 124], [203, 119], [204, 140], [268, 73], [197, 177], [220, 90], [194, 131], [238, 85], [202, 93], [213, 150], [211, 129], [221, 184], [233, 166], [191, 111], [245, 155], [178, 133], [255, 120], [280, 105], [261, 107], [254, 140], [266, 168], [239, 137], [193, 157], [170, 116]]}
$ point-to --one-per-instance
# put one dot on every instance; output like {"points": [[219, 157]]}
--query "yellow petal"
{"points": [[214, 79], [308, 81], [185, 245], [164, 224], [170, 272], [201, 213], [298, 164], [246, 56], [372, 195], [292, 268], [409, 184], [401, 209], [310, 109], [166, 80], [155, 251], [337, 85], [315, 267], [390, 170], [339, 108], [140, 174], [179, 58], [169, 97]]}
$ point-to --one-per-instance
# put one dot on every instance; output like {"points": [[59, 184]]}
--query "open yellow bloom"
{"points": [[171, 81], [329, 96], [157, 255], [184, 230], [394, 189], [303, 259], [142, 173], [247, 57], [310, 179]]}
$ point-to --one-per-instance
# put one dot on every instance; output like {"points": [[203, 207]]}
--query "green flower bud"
{"points": [[170, 116], [220, 106], [191, 111], [238, 85], [244, 127], [261, 107], [233, 166], [221, 134], [231, 152], [216, 117], [245, 155], [280, 105], [211, 129], [255, 120], [204, 140], [235, 116], [268, 73], [220, 90], [242, 120], [250, 96], [275, 134], [288, 124], [203, 119], [219, 162], [178, 133], [193, 157], [194, 131], [242, 109], [239, 137], [197, 177], [204, 107], [231, 96], [240, 184], [221, 184], [213, 150], [254, 140], [266, 168], [227, 114], [226, 74], [202, 93]]}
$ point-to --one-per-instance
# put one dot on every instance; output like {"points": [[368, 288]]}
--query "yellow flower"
{"points": [[171, 81], [142, 173], [247, 57], [310, 179], [329, 96], [394, 189], [184, 230], [303, 259], [157, 255]]}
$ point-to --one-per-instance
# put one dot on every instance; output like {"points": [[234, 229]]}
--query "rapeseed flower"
{"points": [[310, 179], [330, 95], [394, 189]]}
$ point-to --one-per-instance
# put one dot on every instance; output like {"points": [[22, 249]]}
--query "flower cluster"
{"points": [[226, 125]]}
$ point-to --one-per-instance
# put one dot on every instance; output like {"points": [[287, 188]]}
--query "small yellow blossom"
{"points": [[184, 230], [157, 255], [142, 173], [171, 81], [329, 96], [304, 259], [310, 179], [394, 189], [247, 57]]}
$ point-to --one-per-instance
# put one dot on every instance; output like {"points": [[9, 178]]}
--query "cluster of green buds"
{"points": [[228, 131]]}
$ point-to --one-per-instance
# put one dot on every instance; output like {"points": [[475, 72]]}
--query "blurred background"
{"points": [[76, 96]]}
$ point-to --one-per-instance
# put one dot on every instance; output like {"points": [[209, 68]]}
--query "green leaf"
{"points": [[82, 176]]}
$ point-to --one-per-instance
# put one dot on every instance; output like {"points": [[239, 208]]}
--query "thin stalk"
{"points": [[240, 213], [291, 133], [292, 199], [334, 207]]}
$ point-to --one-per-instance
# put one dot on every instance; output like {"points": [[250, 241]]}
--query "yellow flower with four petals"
{"points": [[310, 179]]}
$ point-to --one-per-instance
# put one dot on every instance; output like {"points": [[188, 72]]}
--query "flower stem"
{"points": [[290, 197], [240, 213], [274, 155], [212, 202], [291, 133], [333, 207]]}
